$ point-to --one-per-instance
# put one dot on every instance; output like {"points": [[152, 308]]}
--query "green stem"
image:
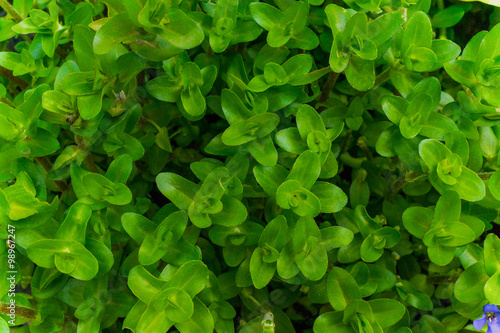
{"points": [[10, 10], [398, 184], [8, 75], [6, 101], [89, 161], [445, 279], [362, 144], [174, 134], [152, 122], [485, 175], [347, 141], [45, 163], [21, 311], [330, 82], [379, 80], [442, 31]]}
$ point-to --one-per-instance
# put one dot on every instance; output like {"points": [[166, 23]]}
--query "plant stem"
{"points": [[445, 279], [347, 141], [10, 10], [362, 144], [45, 163], [485, 175], [379, 80], [442, 31], [398, 184], [330, 82], [21, 311], [6, 101], [89, 161], [17, 80]]}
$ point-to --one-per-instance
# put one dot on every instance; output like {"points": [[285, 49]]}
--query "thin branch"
{"points": [[398, 184], [17, 80], [485, 175], [45, 163], [330, 82], [10, 10], [347, 141], [362, 144], [89, 161], [6, 101], [21, 311]]}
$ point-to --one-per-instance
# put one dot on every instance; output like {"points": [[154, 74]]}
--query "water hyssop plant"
{"points": [[272, 166]]}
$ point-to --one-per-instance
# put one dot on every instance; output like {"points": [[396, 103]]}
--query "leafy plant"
{"points": [[245, 166]]}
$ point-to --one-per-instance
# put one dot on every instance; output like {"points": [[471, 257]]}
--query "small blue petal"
{"points": [[479, 323], [494, 328], [491, 308], [494, 325]]}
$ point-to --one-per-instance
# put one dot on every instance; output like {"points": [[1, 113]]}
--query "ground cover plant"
{"points": [[241, 166]]}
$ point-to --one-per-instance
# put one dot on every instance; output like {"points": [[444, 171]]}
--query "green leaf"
{"points": [[168, 233], [191, 277], [175, 303], [342, 288], [384, 27], [297, 67], [449, 16], [201, 320], [181, 31], [420, 59], [193, 101], [335, 237], [79, 84], [12, 122], [418, 32], [451, 234], [339, 54], [360, 73], [112, 33], [74, 225], [394, 107], [101, 188], [387, 312], [492, 287], [261, 271], [432, 152], [252, 128], [491, 254], [233, 108], [41, 144], [417, 220], [265, 15], [234, 212], [164, 88], [331, 322], [177, 189], [489, 47], [289, 139], [263, 150], [337, 18], [275, 234], [313, 264], [431, 324], [270, 178], [290, 195], [69, 257], [470, 284], [331, 197], [308, 120], [306, 169], [494, 185]]}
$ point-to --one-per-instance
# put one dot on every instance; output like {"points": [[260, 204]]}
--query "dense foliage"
{"points": [[235, 165]]}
